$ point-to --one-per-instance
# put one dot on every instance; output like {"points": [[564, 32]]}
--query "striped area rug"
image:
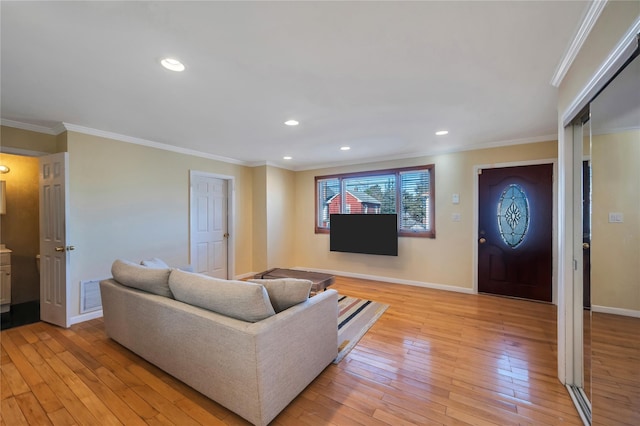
{"points": [[355, 317]]}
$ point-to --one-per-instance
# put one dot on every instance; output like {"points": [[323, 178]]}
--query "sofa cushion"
{"points": [[154, 262], [285, 292], [151, 280], [236, 299]]}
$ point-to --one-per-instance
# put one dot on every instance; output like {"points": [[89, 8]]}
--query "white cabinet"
{"points": [[5, 280]]}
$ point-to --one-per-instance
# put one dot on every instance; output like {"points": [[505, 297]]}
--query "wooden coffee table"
{"points": [[319, 281]]}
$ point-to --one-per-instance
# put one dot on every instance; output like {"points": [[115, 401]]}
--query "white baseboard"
{"points": [[390, 280], [615, 311], [85, 317], [243, 276]]}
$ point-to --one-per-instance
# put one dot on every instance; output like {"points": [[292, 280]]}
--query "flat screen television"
{"points": [[364, 233]]}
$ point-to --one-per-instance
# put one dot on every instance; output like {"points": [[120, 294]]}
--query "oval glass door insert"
{"points": [[513, 215]]}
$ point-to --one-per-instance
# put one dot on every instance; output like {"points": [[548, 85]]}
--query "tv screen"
{"points": [[364, 233]]}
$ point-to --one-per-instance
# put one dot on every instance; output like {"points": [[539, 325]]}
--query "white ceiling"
{"points": [[381, 77]]}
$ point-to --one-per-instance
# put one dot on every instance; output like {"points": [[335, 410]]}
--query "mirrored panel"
{"points": [[615, 251]]}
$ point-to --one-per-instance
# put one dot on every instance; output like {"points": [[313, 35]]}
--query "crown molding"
{"points": [[616, 59], [615, 130], [152, 144], [454, 150], [588, 21], [63, 127], [59, 128], [26, 126]]}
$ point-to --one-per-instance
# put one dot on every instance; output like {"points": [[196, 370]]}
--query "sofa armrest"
{"points": [[293, 347]]}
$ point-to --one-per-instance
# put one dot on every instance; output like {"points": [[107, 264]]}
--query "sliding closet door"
{"points": [[615, 250]]}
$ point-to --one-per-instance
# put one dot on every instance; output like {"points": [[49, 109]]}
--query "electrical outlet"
{"points": [[456, 217]]}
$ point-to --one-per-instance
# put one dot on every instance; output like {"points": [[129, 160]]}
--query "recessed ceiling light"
{"points": [[442, 132], [345, 148], [172, 64], [4, 169], [286, 157], [291, 122]]}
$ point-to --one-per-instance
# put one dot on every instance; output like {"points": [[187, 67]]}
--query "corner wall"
{"points": [[132, 202]]}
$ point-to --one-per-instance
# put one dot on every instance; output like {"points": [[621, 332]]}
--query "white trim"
{"points": [[576, 394], [231, 210], [577, 342], [25, 152], [554, 208], [389, 280], [84, 317], [588, 21], [145, 142], [59, 129], [565, 256], [618, 56], [63, 127], [26, 126], [615, 311], [487, 145], [605, 131]]}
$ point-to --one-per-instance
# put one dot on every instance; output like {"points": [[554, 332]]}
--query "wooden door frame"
{"points": [[230, 180], [554, 208]]}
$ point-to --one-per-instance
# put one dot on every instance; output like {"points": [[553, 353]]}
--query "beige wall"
{"points": [[26, 140], [259, 218], [20, 226], [447, 259], [281, 205], [130, 201], [273, 218], [615, 247]]}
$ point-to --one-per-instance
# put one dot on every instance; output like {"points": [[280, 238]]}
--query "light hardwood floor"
{"points": [[434, 358], [615, 370]]}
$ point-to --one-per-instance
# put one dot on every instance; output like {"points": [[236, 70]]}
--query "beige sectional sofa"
{"points": [[253, 366]]}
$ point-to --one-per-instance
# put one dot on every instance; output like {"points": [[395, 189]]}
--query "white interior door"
{"points": [[54, 256], [209, 230]]}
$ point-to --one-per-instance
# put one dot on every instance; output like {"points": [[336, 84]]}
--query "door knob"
{"points": [[482, 240], [60, 248], [585, 246], [226, 235]]}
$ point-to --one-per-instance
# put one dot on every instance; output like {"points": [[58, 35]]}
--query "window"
{"points": [[408, 192]]}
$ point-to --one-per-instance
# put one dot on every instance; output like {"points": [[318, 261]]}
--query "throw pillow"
{"points": [[151, 280], [236, 299], [154, 262], [285, 292]]}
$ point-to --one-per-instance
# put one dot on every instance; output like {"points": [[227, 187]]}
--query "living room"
{"points": [[129, 198]]}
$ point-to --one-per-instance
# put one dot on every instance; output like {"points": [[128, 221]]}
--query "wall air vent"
{"points": [[90, 296]]}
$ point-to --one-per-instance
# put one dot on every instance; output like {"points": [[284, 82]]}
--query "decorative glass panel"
{"points": [[513, 215]]}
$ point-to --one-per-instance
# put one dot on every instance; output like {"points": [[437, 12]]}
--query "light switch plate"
{"points": [[616, 217], [455, 198]]}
